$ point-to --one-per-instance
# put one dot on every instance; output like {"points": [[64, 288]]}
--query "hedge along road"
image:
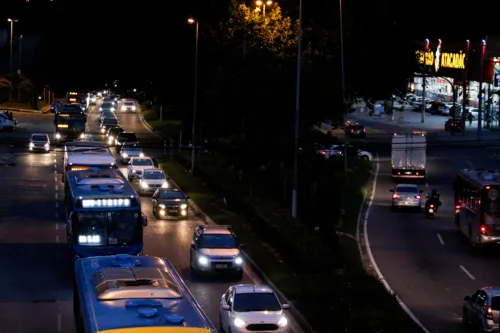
{"points": [[172, 239], [427, 262]]}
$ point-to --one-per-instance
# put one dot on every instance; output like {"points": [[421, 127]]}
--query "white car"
{"points": [[338, 151], [152, 179], [137, 166], [252, 308], [128, 106], [39, 142]]}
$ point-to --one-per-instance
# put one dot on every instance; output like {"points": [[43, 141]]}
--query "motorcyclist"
{"points": [[433, 198]]}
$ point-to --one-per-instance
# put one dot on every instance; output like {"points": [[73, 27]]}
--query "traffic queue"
{"points": [[116, 286]]}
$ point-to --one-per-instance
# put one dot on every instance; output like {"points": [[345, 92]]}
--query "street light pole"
{"points": [[344, 109], [297, 121], [263, 4], [11, 58], [20, 66], [424, 105], [195, 98]]}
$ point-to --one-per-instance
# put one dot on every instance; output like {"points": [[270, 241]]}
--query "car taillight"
{"points": [[432, 206], [483, 229], [323, 152], [364, 130], [352, 131], [417, 196], [395, 196], [489, 313]]}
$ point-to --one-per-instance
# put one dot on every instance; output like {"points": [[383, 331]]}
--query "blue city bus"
{"points": [[128, 294], [103, 214]]}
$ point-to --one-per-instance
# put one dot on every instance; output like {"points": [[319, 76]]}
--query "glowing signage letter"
{"points": [[98, 203]]}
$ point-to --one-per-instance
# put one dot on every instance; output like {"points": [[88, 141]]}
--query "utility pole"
{"points": [[464, 87], [480, 96], [195, 97], [295, 184], [344, 108], [423, 80]]}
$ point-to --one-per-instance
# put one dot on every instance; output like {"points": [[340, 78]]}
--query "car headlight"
{"points": [[184, 206], [58, 136], [165, 185], [161, 206], [124, 108], [133, 171], [100, 109], [202, 260], [239, 323], [32, 145], [141, 154], [124, 155], [238, 260], [133, 108], [144, 185], [46, 145], [282, 322], [82, 136], [112, 109], [89, 239], [110, 138], [103, 129]]}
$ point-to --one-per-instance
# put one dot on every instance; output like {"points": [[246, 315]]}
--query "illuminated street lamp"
{"points": [[263, 4], [12, 21], [195, 99]]}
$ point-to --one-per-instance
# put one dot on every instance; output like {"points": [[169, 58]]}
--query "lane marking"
{"points": [[57, 215], [55, 179], [440, 239], [57, 238], [467, 272], [57, 195], [57, 226], [55, 162], [55, 172], [57, 187], [369, 251], [59, 322], [57, 204]]}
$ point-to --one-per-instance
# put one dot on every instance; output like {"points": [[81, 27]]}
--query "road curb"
{"points": [[149, 127], [299, 318], [367, 257]]}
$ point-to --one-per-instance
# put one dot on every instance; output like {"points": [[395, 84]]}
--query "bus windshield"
{"points": [[490, 201], [107, 228]]}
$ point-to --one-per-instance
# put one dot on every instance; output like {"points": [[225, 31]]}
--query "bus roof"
{"points": [[481, 177], [99, 184], [90, 158], [141, 294]]}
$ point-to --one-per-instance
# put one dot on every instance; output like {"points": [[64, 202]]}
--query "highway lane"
{"points": [[28, 123], [428, 262], [35, 284], [172, 239]]}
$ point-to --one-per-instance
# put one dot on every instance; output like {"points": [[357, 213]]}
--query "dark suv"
{"points": [[215, 249], [112, 134], [125, 137]]}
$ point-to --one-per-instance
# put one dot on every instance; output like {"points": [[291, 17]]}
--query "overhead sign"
{"points": [[440, 59], [98, 203]]}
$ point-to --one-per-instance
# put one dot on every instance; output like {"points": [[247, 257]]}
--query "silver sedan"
{"points": [[406, 196]]}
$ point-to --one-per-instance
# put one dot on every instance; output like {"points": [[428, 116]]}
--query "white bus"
{"points": [[84, 155]]}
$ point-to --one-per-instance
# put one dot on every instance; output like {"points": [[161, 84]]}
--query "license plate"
{"points": [[220, 266], [173, 211], [408, 173]]}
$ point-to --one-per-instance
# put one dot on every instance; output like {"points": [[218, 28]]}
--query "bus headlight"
{"points": [[238, 261], [184, 206], [202, 260], [32, 145], [112, 109], [164, 185], [144, 185], [89, 239], [58, 136]]}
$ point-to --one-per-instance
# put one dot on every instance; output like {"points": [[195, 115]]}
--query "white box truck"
{"points": [[409, 155]]}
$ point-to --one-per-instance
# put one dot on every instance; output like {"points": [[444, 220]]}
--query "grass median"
{"points": [[331, 300]]}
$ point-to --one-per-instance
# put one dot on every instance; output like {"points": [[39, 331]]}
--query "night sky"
{"points": [[87, 43]]}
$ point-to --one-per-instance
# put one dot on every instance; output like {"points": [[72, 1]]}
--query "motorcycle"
{"points": [[430, 210]]}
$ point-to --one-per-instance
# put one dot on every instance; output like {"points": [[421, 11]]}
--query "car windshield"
{"points": [[39, 138], [171, 195], [490, 203], [153, 175], [213, 241], [142, 162], [128, 137], [129, 103], [106, 105], [111, 228], [253, 302], [110, 121], [406, 189]]}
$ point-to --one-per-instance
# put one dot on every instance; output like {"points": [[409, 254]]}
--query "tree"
{"points": [[25, 84], [5, 83]]}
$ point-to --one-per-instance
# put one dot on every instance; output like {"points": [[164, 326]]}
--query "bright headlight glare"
{"points": [[133, 108], [82, 135], [141, 154], [58, 136], [165, 185], [103, 129], [238, 261], [112, 109], [46, 145], [239, 323], [161, 206], [124, 108], [100, 109], [110, 138], [184, 206], [203, 260], [124, 155], [282, 322], [32, 144], [144, 185]]}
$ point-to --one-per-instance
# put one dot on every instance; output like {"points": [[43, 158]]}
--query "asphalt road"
{"points": [[427, 262], [32, 233]]}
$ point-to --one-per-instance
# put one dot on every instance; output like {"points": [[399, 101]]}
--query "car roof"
{"points": [[44, 134], [251, 289], [153, 170], [141, 157]]}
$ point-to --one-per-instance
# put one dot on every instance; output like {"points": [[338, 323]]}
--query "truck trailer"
{"points": [[409, 155]]}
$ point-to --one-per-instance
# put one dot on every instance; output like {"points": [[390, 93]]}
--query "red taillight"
{"points": [[457, 207], [432, 206], [364, 130], [416, 173], [399, 173], [323, 152], [352, 131], [483, 229], [395, 196], [489, 313], [418, 196]]}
